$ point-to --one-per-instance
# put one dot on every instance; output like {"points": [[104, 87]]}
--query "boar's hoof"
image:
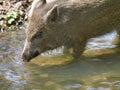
{"points": [[27, 58]]}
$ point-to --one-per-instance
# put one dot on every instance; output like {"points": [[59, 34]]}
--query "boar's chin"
{"points": [[27, 58]]}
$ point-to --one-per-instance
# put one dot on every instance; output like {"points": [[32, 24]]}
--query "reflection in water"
{"points": [[52, 73], [99, 88], [102, 42], [11, 68], [74, 86]]}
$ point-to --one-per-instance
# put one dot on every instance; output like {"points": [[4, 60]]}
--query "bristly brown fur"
{"points": [[78, 21]]}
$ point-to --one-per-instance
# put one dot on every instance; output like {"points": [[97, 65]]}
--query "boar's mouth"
{"points": [[27, 58]]}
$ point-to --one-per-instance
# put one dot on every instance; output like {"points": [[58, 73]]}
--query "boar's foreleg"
{"points": [[78, 48]]}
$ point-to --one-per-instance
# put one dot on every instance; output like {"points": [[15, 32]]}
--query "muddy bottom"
{"points": [[97, 69]]}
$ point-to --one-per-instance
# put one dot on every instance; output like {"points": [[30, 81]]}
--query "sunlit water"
{"points": [[97, 69]]}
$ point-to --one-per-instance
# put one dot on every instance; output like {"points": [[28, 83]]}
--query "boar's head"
{"points": [[41, 19]]}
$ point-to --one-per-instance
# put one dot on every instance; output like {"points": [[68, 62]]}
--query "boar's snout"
{"points": [[28, 56]]}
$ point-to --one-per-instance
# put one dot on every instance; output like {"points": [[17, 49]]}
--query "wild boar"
{"points": [[68, 23]]}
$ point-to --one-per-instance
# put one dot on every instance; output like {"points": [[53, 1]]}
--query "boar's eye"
{"points": [[37, 35]]}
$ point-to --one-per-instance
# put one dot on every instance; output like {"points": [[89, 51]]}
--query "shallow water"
{"points": [[97, 69]]}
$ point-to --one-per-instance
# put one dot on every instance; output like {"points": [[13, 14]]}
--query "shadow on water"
{"points": [[97, 69]]}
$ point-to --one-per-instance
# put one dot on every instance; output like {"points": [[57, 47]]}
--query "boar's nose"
{"points": [[27, 58], [24, 57]]}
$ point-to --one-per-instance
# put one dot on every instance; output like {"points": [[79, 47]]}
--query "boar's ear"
{"points": [[43, 1], [52, 14], [38, 3]]}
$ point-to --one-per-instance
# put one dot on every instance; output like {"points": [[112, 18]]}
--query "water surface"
{"points": [[97, 69]]}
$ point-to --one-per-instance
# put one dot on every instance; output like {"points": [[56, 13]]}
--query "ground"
{"points": [[13, 12]]}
